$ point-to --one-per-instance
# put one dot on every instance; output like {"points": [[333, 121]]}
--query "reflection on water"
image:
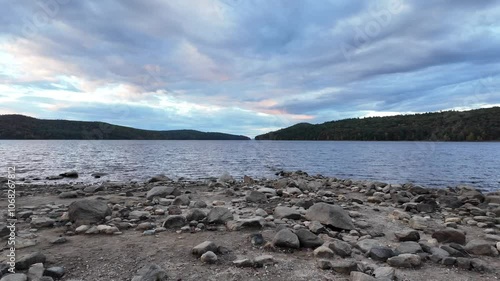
{"points": [[427, 163]]}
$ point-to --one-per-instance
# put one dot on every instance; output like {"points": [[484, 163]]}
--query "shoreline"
{"points": [[261, 229]]}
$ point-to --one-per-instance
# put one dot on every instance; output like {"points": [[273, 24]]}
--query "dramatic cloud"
{"points": [[245, 67]]}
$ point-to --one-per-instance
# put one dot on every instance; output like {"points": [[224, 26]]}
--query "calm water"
{"points": [[427, 163]]}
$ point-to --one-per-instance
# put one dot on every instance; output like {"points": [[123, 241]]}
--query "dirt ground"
{"points": [[118, 257]]}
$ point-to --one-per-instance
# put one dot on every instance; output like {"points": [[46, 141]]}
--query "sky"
{"points": [[245, 66]]}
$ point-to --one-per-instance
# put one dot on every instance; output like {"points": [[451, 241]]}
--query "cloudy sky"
{"points": [[245, 66]]}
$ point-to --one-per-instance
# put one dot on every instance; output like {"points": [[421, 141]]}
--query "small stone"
{"points": [[449, 236], [360, 276], [408, 247], [405, 261], [151, 272], [340, 248], [174, 221], [481, 247], [36, 271], [82, 229], [263, 260], [209, 257], [243, 263], [449, 261], [308, 239], [418, 223], [15, 277], [324, 264], [287, 239], [323, 253], [59, 240], [411, 235], [257, 239], [256, 197], [42, 222], [385, 273], [344, 266], [204, 247], [286, 213], [380, 253], [219, 215], [463, 263], [27, 260]]}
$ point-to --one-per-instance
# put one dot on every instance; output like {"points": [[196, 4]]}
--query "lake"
{"points": [[436, 164]]}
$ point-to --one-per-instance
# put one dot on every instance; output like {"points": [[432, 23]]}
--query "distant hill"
{"points": [[24, 127], [473, 125]]}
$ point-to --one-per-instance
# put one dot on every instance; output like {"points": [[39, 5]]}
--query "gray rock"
{"points": [[182, 200], [256, 197], [200, 204], [463, 263], [243, 263], [385, 273], [42, 222], [195, 215], [323, 252], [449, 235], [365, 245], [380, 253], [69, 174], [331, 215], [455, 251], [481, 247], [15, 277], [263, 260], [286, 213], [151, 272], [257, 239], [408, 247], [27, 260], [344, 266], [324, 264], [174, 221], [158, 178], [449, 261], [68, 194], [360, 276], [340, 248], [480, 265], [405, 261], [316, 227], [219, 215], [139, 215], [437, 254], [36, 272], [160, 191], [308, 239], [209, 257], [56, 272], [204, 247], [411, 235], [287, 239], [88, 211], [94, 188]]}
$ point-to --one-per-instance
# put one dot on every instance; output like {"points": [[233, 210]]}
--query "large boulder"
{"points": [[287, 239], [151, 272], [27, 260], [160, 191], [88, 211], [219, 215], [331, 215]]}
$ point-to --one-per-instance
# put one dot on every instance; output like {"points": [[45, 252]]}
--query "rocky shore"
{"points": [[295, 227]]}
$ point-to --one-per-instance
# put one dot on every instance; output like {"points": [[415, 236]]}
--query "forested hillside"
{"points": [[24, 127], [473, 125]]}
